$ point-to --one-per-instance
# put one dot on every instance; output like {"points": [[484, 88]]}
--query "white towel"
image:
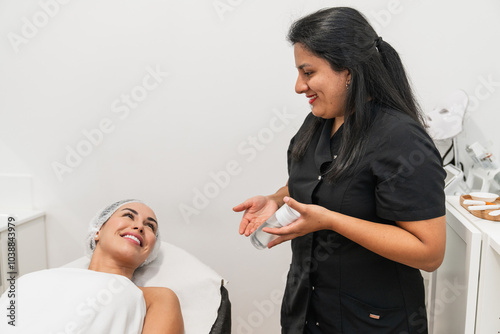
{"points": [[196, 284], [71, 300]]}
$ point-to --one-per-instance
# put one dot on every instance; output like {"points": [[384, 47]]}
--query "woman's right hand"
{"points": [[257, 210]]}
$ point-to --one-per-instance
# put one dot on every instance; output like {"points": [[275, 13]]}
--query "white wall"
{"points": [[230, 73]]}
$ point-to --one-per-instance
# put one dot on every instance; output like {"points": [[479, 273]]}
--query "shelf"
{"points": [[22, 216]]}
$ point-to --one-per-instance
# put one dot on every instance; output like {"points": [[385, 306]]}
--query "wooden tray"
{"points": [[480, 213]]}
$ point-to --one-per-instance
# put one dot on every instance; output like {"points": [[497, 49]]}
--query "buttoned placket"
{"points": [[323, 157]]}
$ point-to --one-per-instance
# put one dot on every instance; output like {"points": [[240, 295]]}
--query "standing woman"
{"points": [[367, 181]]}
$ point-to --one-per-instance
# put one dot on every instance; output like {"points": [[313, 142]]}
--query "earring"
{"points": [[347, 84]]}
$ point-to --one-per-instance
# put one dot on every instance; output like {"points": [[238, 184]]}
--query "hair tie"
{"points": [[378, 41]]}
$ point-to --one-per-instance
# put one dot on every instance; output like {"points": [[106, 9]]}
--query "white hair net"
{"points": [[102, 217]]}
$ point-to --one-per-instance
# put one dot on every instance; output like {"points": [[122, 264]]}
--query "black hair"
{"points": [[343, 37]]}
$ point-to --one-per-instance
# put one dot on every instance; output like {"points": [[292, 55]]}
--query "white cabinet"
{"points": [[30, 240], [453, 287], [488, 305], [464, 293]]}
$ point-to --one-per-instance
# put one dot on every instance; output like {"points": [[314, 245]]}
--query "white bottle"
{"points": [[284, 216]]}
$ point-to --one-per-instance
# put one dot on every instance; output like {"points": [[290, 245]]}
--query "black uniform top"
{"points": [[335, 285]]}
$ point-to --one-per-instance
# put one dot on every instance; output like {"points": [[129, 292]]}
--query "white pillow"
{"points": [[196, 284]]}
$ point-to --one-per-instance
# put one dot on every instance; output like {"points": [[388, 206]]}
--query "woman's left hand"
{"points": [[312, 219]]}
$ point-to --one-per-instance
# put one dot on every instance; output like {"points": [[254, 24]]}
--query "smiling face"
{"points": [[325, 88], [129, 235]]}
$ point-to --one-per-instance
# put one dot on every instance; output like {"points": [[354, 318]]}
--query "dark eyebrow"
{"points": [[303, 65], [151, 219], [135, 212]]}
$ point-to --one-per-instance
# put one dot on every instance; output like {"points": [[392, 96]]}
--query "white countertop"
{"points": [[22, 216], [490, 227]]}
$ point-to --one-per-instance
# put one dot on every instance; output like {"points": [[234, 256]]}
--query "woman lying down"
{"points": [[102, 299]]}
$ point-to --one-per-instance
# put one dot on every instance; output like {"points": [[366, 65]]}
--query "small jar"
{"points": [[282, 217]]}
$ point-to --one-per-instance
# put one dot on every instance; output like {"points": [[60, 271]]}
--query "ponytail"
{"points": [[395, 69]]}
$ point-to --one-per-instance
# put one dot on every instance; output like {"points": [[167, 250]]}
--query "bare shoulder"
{"points": [[163, 313], [155, 293]]}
